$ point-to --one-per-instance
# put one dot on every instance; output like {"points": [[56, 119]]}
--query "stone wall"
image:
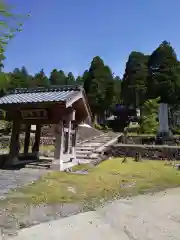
{"points": [[5, 141], [140, 139], [146, 152]]}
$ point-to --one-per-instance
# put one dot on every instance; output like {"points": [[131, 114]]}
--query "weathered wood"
{"points": [[59, 144], [35, 147], [68, 134], [34, 114], [27, 138], [74, 142], [14, 143]]}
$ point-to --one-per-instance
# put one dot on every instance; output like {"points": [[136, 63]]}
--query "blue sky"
{"points": [[68, 34]]}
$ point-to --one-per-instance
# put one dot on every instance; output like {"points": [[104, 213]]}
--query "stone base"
{"points": [[57, 166], [11, 162], [163, 134]]}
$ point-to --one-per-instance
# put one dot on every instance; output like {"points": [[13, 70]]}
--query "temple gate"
{"points": [[64, 107]]}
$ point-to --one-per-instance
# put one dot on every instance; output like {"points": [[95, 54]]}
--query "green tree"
{"points": [[134, 85], [57, 77], [70, 79], [54, 77], [84, 79], [19, 78], [99, 87], [149, 123], [4, 83], [117, 91], [10, 24], [163, 73], [89, 75], [109, 85], [79, 80], [40, 80]]}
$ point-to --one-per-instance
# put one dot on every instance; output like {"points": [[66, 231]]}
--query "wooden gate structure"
{"points": [[62, 106]]}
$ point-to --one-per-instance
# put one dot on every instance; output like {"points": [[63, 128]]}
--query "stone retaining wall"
{"points": [[147, 152], [5, 141], [141, 139]]}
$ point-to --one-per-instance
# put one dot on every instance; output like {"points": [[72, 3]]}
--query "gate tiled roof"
{"points": [[39, 95]]}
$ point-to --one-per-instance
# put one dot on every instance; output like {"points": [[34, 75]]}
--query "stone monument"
{"points": [[163, 120]]}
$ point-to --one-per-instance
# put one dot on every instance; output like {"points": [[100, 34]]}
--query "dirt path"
{"points": [[148, 217]]}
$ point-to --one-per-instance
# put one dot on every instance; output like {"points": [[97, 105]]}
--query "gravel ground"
{"points": [[145, 217], [11, 222], [10, 179]]}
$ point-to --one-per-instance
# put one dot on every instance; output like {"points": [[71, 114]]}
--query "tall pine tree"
{"points": [[134, 85], [163, 73]]}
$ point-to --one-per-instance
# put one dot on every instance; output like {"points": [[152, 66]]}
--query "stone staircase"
{"points": [[88, 151]]}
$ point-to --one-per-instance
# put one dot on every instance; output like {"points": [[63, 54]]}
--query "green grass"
{"points": [[105, 181], [82, 167]]}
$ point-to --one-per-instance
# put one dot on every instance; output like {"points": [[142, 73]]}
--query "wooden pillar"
{"points": [[27, 138], [69, 119], [14, 143], [74, 141], [59, 144], [35, 148]]}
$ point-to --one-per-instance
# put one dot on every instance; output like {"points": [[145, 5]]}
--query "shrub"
{"points": [[97, 126], [149, 123]]}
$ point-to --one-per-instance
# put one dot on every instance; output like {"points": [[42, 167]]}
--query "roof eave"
{"points": [[88, 109], [74, 99]]}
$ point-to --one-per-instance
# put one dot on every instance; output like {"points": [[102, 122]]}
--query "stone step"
{"points": [[85, 157], [84, 161], [100, 141], [82, 148], [38, 165], [94, 145], [84, 152], [105, 138]]}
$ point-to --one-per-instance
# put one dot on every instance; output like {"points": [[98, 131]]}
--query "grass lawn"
{"points": [[108, 180]]}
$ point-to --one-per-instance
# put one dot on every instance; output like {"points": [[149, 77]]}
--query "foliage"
{"points": [[97, 126], [175, 130], [99, 86], [134, 86], [149, 121], [10, 24], [40, 80], [70, 79], [163, 73]]}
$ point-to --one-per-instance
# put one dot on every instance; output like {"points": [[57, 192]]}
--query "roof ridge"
{"points": [[55, 88]]}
